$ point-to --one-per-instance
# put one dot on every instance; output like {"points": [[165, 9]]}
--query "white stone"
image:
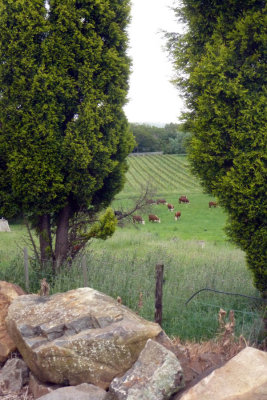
{"points": [[4, 227]]}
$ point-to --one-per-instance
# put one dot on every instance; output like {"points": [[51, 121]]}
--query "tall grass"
{"points": [[129, 270]]}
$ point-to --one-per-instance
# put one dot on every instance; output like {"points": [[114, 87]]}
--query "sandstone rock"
{"points": [[156, 375], [84, 391], [38, 388], [244, 377], [8, 292], [14, 375], [79, 336]]}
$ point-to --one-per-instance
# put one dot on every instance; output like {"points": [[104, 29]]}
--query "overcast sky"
{"points": [[152, 98]]}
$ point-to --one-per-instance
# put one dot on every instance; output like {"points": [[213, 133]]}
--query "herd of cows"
{"points": [[154, 218]]}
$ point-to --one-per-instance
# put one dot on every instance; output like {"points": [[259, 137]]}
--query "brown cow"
{"points": [[170, 207], [150, 201], [138, 219], [212, 204], [153, 218], [177, 215], [183, 199], [161, 201]]}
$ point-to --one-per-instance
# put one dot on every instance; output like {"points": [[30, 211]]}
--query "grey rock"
{"points": [[156, 375], [14, 375]]}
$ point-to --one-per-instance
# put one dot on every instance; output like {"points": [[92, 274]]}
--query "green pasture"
{"points": [[169, 177], [197, 222], [12, 242], [194, 250]]}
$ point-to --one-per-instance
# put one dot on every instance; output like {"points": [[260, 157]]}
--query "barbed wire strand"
{"points": [[227, 293]]}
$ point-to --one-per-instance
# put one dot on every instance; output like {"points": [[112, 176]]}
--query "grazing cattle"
{"points": [[177, 215], [150, 201], [153, 218], [212, 204], [183, 199], [138, 219], [170, 207], [161, 201]]}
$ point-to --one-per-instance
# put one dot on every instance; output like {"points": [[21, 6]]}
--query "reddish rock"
{"points": [[8, 292], [38, 388]]}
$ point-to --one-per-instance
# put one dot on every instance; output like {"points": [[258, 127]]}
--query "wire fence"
{"points": [[183, 313]]}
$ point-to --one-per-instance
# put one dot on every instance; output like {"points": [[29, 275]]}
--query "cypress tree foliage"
{"points": [[63, 134], [223, 54]]}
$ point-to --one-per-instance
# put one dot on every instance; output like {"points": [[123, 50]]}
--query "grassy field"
{"points": [[168, 177], [165, 173], [198, 221], [194, 250]]}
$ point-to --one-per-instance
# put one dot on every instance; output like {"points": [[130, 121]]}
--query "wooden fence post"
{"points": [[85, 277], [158, 293], [26, 268]]}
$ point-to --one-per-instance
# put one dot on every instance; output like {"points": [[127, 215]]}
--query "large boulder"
{"points": [[156, 375], [78, 336], [8, 292], [244, 377]]}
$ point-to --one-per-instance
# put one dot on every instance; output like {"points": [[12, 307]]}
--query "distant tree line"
{"points": [[171, 139]]}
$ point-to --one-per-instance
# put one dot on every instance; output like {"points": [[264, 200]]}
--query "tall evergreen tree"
{"points": [[221, 65], [63, 134]]}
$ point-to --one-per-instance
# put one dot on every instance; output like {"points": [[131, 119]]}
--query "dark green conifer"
{"points": [[64, 136], [224, 56]]}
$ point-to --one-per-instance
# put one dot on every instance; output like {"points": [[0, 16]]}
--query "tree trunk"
{"points": [[62, 242], [45, 239]]}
